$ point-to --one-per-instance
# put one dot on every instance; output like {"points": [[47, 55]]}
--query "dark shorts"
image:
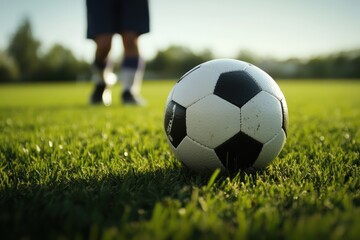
{"points": [[116, 16]]}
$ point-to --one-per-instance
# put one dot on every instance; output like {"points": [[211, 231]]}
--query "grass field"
{"points": [[69, 170]]}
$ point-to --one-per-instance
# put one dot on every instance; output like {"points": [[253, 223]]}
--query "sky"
{"points": [[277, 28]]}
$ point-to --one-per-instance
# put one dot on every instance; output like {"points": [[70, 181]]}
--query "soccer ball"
{"points": [[226, 114]]}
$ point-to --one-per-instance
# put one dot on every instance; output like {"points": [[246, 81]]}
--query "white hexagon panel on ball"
{"points": [[212, 120], [270, 150], [196, 156], [194, 85], [261, 117], [225, 65]]}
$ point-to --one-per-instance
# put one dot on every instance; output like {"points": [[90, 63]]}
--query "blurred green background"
{"points": [[45, 40]]}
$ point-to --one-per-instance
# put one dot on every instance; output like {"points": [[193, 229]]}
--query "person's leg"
{"points": [[103, 46], [100, 18], [130, 42], [132, 69], [100, 93]]}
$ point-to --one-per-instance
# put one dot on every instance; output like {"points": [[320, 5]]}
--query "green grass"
{"points": [[69, 170]]}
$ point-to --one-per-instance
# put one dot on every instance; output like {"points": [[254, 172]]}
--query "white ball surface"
{"points": [[212, 128], [261, 117], [226, 114]]}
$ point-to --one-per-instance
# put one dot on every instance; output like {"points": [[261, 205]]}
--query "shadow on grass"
{"points": [[71, 207]]}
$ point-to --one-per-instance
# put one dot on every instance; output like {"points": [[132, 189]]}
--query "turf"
{"points": [[69, 170]]}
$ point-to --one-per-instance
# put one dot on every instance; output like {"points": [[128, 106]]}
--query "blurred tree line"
{"points": [[344, 64], [174, 61], [22, 61]]}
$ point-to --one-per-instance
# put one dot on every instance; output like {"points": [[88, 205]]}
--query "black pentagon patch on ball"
{"points": [[239, 152], [175, 123], [237, 87]]}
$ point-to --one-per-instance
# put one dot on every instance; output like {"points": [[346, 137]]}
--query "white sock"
{"points": [[132, 78]]}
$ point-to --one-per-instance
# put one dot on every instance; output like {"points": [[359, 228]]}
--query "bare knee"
{"points": [[103, 45], [130, 43]]}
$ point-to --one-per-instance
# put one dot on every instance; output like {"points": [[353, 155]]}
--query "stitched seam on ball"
{"points": [[257, 83], [207, 148], [260, 86], [245, 103], [202, 98], [240, 121], [199, 143], [212, 92], [209, 68], [246, 67], [272, 94]]}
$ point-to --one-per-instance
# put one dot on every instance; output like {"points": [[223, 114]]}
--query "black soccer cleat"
{"points": [[101, 95], [129, 98]]}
